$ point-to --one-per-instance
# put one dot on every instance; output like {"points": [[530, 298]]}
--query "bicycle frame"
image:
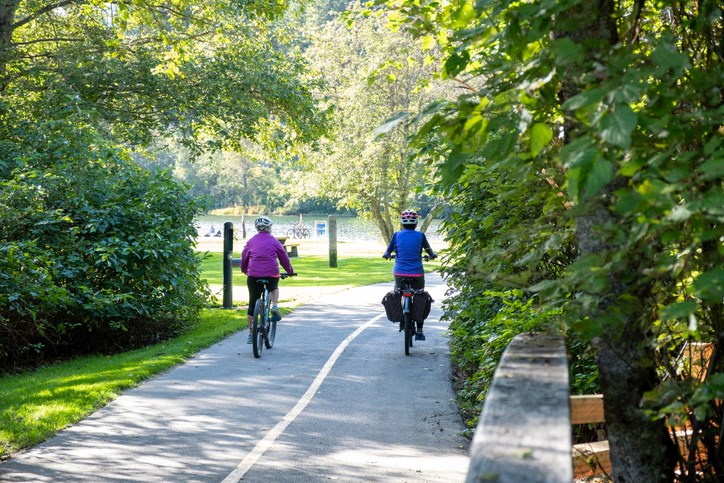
{"points": [[264, 328], [260, 325], [407, 292]]}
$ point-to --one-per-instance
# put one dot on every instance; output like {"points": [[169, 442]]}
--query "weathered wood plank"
{"points": [[590, 459], [524, 431], [587, 409]]}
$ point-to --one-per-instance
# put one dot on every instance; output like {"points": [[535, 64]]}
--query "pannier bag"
{"points": [[393, 306], [421, 304]]}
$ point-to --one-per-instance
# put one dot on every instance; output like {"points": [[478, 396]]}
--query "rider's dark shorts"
{"points": [[255, 290], [417, 284]]}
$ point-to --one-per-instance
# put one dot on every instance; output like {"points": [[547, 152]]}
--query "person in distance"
{"points": [[259, 260], [407, 244]]}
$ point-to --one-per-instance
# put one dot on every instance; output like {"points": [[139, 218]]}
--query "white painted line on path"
{"points": [[265, 443]]}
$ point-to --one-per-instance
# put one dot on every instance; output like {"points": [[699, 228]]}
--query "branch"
{"points": [[56, 39], [44, 10], [465, 84], [636, 28]]}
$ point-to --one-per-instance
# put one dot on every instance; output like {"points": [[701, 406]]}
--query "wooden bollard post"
{"points": [[228, 255], [332, 227]]}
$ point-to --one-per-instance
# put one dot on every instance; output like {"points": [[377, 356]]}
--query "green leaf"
{"points": [[568, 52], [678, 310], [585, 99], [617, 126], [667, 57], [453, 167], [540, 136], [680, 213], [588, 328], [456, 63], [712, 168], [584, 178], [598, 176], [709, 286]]}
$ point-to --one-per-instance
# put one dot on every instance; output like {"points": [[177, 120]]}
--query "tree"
{"points": [[98, 253], [370, 73], [616, 107]]}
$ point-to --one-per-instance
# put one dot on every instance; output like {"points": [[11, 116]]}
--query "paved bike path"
{"points": [[335, 399]]}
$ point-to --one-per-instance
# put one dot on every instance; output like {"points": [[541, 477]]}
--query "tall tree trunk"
{"points": [[641, 449], [7, 16]]}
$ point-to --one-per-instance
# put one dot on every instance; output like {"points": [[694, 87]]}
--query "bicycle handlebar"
{"points": [[425, 257], [285, 275]]}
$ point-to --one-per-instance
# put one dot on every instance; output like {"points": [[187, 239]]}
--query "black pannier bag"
{"points": [[393, 306], [421, 304]]}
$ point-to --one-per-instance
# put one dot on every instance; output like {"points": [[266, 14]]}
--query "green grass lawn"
{"points": [[35, 405], [313, 271]]}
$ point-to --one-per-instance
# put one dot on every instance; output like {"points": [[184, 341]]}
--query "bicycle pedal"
{"points": [[276, 318]]}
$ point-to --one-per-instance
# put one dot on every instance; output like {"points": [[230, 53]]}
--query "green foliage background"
{"points": [[585, 159]]}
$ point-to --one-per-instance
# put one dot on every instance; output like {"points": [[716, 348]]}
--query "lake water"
{"points": [[349, 228]]}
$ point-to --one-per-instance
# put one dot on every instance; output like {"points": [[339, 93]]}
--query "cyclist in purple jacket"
{"points": [[408, 244], [259, 260]]}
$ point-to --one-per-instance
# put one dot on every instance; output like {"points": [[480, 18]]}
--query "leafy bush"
{"points": [[97, 253], [493, 254], [483, 326]]}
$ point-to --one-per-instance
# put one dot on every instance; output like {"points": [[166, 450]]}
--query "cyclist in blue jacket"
{"points": [[408, 244]]}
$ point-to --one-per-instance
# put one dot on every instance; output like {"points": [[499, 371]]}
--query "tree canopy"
{"points": [[210, 73]]}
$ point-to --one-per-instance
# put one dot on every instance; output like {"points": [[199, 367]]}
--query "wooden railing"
{"points": [[524, 432]]}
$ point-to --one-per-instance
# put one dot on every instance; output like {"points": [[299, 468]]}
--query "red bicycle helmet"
{"points": [[409, 217]]}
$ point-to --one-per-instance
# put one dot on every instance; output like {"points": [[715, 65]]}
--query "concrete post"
{"points": [[332, 227], [228, 255]]}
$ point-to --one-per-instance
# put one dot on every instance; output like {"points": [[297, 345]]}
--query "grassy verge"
{"points": [[35, 405]]}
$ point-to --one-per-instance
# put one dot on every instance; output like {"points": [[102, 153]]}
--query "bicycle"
{"points": [[264, 327], [407, 293]]}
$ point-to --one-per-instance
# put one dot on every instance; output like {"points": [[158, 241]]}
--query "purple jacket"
{"points": [[259, 258]]}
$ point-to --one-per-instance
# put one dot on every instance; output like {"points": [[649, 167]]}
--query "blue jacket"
{"points": [[407, 244]]}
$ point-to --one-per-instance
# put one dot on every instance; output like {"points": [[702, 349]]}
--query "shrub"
{"points": [[97, 253]]}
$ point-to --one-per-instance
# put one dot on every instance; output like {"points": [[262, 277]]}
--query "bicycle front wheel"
{"points": [[257, 329], [408, 333], [271, 327]]}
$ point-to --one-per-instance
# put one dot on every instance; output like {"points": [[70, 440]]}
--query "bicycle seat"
{"points": [[263, 280]]}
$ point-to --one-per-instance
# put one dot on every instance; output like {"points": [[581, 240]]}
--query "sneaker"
{"points": [[276, 315], [250, 339], [419, 336]]}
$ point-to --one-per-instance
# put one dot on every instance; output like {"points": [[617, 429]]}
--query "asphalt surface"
{"points": [[335, 399]]}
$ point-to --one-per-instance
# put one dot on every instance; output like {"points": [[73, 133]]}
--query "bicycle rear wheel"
{"points": [[257, 329], [408, 333], [271, 327]]}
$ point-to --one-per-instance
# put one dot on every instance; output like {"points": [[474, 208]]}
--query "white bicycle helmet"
{"points": [[409, 217], [263, 223]]}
